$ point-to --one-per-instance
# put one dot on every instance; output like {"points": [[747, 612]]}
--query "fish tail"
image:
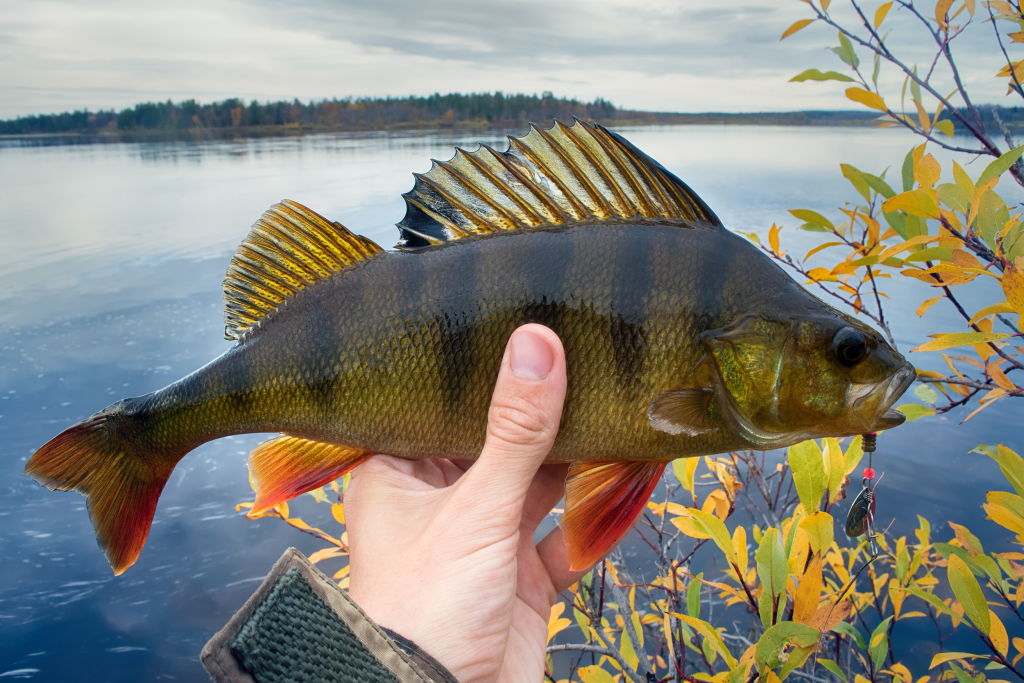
{"points": [[99, 458]]}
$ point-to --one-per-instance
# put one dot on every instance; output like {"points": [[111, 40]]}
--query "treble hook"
{"points": [[861, 517]]}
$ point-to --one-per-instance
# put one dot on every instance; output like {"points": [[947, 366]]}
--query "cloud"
{"points": [[662, 55]]}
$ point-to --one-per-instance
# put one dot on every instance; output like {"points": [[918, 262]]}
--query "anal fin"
{"points": [[602, 500], [288, 466]]}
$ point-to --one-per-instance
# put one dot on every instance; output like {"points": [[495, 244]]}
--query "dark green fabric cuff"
{"points": [[300, 627]]}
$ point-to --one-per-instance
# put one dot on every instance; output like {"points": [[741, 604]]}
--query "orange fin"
{"points": [[288, 466], [602, 500], [120, 484]]}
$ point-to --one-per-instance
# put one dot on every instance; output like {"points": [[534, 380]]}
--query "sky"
{"points": [[653, 55]]}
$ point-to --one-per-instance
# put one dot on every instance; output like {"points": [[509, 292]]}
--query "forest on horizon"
{"points": [[434, 111]]}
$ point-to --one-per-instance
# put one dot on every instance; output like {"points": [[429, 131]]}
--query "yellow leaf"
{"points": [[803, 23], [282, 509], [594, 674], [1013, 288], [1002, 307], [819, 528], [556, 623], [926, 305], [325, 553], [945, 126], [880, 13], [805, 604], [941, 9], [944, 657], [835, 469], [828, 615], [917, 202], [867, 98], [999, 377], [338, 510], [998, 634], [773, 239], [717, 504], [947, 341], [922, 117]]}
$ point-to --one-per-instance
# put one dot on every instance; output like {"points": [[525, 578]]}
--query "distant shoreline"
{"points": [[829, 119]]}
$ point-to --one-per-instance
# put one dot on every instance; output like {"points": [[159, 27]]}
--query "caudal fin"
{"points": [[121, 486]]}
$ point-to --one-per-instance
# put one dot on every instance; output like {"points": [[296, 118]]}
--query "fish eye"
{"points": [[849, 346]]}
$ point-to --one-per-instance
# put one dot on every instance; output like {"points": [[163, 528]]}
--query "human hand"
{"points": [[443, 553]]}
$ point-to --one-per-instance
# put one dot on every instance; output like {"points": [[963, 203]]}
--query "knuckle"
{"points": [[519, 423]]}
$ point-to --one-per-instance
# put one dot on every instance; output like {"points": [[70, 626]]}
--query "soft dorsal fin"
{"points": [[553, 177], [288, 249]]}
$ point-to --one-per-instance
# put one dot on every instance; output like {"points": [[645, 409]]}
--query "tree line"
{"points": [[362, 113]]}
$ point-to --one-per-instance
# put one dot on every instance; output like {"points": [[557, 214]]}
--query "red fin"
{"points": [[121, 486], [288, 466], [602, 500]]}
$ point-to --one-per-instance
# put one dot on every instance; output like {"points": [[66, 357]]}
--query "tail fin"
{"points": [[121, 485]]}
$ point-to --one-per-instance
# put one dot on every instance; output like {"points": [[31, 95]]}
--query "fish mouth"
{"points": [[886, 416], [873, 403]]}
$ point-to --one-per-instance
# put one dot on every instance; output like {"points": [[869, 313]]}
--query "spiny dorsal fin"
{"points": [[561, 175], [288, 249]]}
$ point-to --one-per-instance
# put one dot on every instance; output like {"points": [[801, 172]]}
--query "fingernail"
{"points": [[531, 356]]}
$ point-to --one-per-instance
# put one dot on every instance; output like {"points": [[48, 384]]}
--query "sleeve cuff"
{"points": [[299, 626]]}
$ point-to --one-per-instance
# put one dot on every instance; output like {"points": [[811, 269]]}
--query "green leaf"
{"points": [[926, 393], [772, 641], [878, 646], [993, 215], [711, 636], [772, 568], [808, 473], [908, 172], [1000, 165], [812, 217], [898, 222], [968, 593], [1010, 464], [915, 88], [717, 531], [914, 412], [932, 600], [797, 656], [878, 185], [952, 196], [834, 668], [693, 596], [815, 75], [848, 629], [856, 179], [848, 55]]}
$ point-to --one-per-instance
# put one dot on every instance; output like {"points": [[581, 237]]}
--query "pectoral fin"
{"points": [[683, 411], [288, 466], [602, 500]]}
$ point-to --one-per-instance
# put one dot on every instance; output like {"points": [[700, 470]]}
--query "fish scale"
{"points": [[681, 339]]}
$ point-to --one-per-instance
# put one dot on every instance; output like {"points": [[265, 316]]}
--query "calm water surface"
{"points": [[111, 260]]}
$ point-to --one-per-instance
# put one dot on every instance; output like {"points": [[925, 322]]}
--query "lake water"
{"points": [[111, 262]]}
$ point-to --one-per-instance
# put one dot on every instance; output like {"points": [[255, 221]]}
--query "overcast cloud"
{"points": [[658, 55]]}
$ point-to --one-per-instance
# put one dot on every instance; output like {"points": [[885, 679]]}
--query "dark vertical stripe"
{"points": [[632, 284]]}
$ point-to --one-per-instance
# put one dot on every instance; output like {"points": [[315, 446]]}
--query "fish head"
{"points": [[810, 376]]}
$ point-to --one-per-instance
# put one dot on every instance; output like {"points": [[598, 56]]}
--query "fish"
{"points": [[681, 339]]}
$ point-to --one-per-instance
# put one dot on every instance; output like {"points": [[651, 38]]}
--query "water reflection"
{"points": [[110, 278]]}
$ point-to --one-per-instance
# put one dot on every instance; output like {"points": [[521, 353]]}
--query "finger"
{"points": [[523, 419], [554, 553], [545, 491]]}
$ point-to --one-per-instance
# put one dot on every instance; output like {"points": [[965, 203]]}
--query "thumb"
{"points": [[523, 419]]}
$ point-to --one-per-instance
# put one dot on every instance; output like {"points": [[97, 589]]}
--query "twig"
{"points": [[598, 649]]}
